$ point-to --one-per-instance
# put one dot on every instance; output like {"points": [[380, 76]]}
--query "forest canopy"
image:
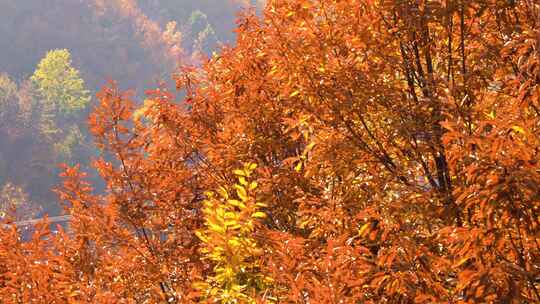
{"points": [[345, 151]]}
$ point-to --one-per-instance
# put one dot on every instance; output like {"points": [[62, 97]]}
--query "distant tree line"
{"points": [[56, 54]]}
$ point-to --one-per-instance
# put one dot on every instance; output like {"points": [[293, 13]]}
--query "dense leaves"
{"points": [[396, 145], [230, 221]]}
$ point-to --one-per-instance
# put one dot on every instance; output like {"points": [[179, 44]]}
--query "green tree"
{"points": [[59, 84]]}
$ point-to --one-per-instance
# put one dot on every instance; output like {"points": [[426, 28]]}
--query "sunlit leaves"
{"points": [[229, 244], [397, 153]]}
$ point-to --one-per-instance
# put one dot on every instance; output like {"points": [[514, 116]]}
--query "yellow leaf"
{"points": [[200, 285], [364, 229], [273, 70], [142, 110], [258, 214], [230, 215], [518, 129], [298, 167], [462, 261], [294, 93], [216, 228], [239, 172], [201, 236], [309, 147], [234, 243], [252, 185], [223, 192], [237, 203], [303, 224], [138, 113], [241, 191], [232, 224]]}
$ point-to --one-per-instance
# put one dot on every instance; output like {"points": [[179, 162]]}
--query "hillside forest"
{"points": [[312, 151], [56, 54]]}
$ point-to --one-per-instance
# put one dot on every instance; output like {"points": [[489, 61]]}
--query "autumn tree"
{"points": [[396, 145]]}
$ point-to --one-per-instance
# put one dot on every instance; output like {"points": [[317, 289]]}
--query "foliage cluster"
{"points": [[227, 242]]}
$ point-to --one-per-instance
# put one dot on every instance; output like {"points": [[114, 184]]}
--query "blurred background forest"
{"points": [[55, 55]]}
